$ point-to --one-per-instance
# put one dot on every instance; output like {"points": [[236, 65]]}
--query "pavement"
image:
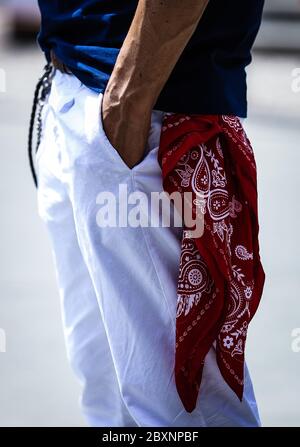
{"points": [[37, 387]]}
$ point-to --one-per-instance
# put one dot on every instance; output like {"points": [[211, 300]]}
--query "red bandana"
{"points": [[220, 276]]}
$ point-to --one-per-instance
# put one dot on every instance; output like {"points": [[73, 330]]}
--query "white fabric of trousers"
{"points": [[118, 285]]}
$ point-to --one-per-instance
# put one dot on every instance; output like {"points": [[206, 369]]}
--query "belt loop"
{"points": [[58, 64]]}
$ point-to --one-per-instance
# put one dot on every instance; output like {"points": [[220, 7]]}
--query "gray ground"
{"points": [[37, 387]]}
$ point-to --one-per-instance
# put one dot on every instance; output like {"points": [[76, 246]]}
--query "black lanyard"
{"points": [[41, 92]]}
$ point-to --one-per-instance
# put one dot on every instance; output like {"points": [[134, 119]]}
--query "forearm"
{"points": [[157, 36]]}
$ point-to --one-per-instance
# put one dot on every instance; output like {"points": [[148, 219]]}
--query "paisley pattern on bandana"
{"points": [[221, 278]]}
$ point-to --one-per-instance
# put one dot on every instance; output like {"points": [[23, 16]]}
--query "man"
{"points": [[121, 69]]}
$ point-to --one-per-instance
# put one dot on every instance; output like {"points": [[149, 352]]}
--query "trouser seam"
{"points": [[153, 264]]}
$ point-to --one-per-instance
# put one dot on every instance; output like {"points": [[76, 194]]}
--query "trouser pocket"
{"points": [[151, 145]]}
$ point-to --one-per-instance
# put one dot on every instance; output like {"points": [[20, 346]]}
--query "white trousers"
{"points": [[118, 285]]}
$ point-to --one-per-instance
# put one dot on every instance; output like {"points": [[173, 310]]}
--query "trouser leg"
{"points": [[86, 341]]}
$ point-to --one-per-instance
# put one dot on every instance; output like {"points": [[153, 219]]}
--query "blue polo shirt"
{"points": [[209, 77]]}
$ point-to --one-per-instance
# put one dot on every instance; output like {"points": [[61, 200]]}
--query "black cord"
{"points": [[42, 89]]}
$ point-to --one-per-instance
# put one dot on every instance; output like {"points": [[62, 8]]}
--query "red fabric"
{"points": [[220, 275]]}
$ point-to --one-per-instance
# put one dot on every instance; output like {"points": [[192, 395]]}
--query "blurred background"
{"points": [[37, 387]]}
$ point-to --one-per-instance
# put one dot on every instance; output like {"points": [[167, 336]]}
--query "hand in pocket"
{"points": [[126, 128]]}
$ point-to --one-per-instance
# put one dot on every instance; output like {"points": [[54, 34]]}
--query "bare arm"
{"points": [[157, 36]]}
